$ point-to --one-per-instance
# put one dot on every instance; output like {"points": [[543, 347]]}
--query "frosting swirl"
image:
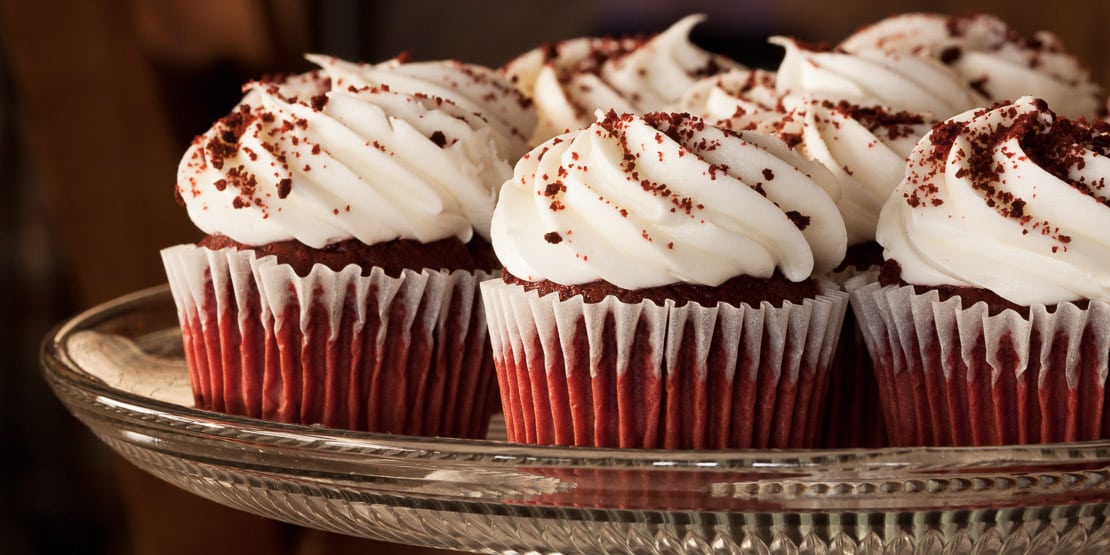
{"points": [[661, 199], [569, 80], [865, 149], [372, 153], [991, 56], [1012, 199], [739, 99], [874, 77]]}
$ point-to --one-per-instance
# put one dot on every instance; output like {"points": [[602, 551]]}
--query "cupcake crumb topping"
{"points": [[1057, 145]]}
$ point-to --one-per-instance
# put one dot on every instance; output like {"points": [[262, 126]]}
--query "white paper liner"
{"points": [[951, 375], [400, 354], [855, 276], [643, 375]]}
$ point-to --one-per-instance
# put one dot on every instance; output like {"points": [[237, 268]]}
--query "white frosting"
{"points": [[1029, 233], [571, 79], [373, 153], [874, 77], [985, 51], [865, 149], [739, 99], [648, 201], [475, 90]]}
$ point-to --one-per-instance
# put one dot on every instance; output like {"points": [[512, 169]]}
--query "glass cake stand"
{"points": [[119, 369]]}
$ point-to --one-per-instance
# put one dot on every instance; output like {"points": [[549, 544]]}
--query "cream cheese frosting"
{"points": [[568, 80], [987, 53], [739, 99], [373, 153], [865, 149], [644, 201], [1012, 199], [873, 77]]}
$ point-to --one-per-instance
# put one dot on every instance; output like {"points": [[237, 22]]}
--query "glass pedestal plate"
{"points": [[120, 370]]}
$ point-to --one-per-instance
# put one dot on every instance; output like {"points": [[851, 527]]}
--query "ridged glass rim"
{"points": [[1020, 475]]}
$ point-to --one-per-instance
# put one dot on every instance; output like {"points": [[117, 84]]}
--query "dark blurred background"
{"points": [[99, 99]]}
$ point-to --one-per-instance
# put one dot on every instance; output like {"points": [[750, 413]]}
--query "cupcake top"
{"points": [[1012, 199], [997, 60], [873, 77], [738, 99], [350, 151], [645, 201], [865, 149], [568, 80]]}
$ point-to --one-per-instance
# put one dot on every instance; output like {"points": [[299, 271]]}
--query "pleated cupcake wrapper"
{"points": [[853, 275], [950, 375], [853, 415], [643, 375], [402, 355]]}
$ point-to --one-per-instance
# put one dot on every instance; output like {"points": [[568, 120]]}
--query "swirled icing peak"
{"points": [[873, 77], [1013, 199], [739, 99], [571, 79], [373, 153], [991, 56], [645, 201]]}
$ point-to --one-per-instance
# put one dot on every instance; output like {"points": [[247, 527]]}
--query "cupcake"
{"points": [[657, 288], [569, 80], [346, 213], [989, 324], [990, 56], [865, 149]]}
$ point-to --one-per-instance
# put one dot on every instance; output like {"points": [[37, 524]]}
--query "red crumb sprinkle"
{"points": [[284, 187], [1055, 144], [800, 221]]}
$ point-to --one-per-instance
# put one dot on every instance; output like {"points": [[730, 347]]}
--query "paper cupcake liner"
{"points": [[950, 375], [403, 355], [853, 416], [642, 375]]}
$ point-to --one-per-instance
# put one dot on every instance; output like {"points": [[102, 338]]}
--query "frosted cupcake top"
{"points": [[662, 199], [739, 99], [990, 56], [865, 148], [569, 80], [1012, 199], [367, 152], [873, 77]]}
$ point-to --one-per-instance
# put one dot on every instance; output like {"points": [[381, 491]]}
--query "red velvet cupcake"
{"points": [[991, 322], [657, 289], [865, 148], [347, 213]]}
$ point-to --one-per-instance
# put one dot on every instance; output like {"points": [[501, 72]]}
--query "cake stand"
{"points": [[119, 369]]}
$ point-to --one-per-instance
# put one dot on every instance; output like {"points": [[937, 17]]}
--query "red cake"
{"points": [[990, 322], [347, 221], [640, 306]]}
